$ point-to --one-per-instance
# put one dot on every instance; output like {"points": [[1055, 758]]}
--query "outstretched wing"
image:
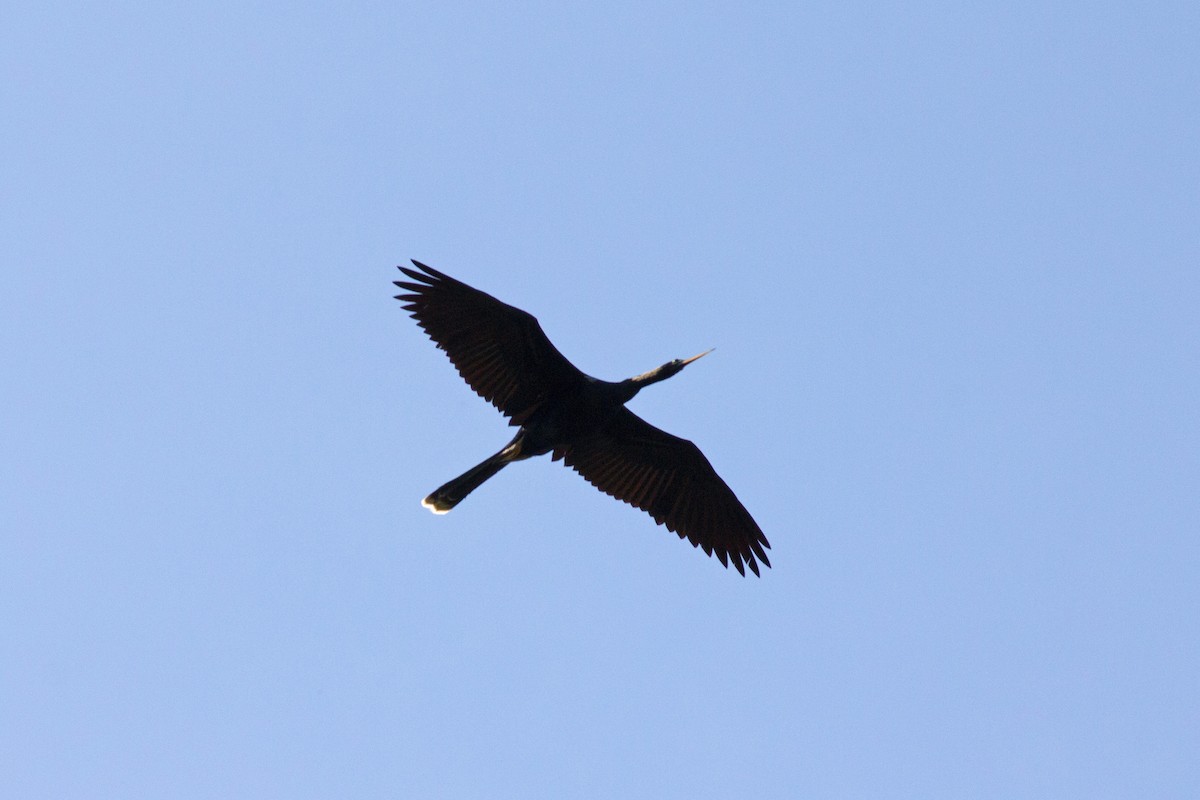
{"points": [[500, 351], [670, 479]]}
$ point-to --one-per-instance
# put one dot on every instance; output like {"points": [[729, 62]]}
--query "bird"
{"points": [[505, 357]]}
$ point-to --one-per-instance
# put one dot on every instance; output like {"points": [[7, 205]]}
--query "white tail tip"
{"points": [[434, 508]]}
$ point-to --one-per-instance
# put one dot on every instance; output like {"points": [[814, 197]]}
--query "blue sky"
{"points": [[947, 253]]}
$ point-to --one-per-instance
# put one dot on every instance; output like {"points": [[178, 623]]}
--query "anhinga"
{"points": [[502, 353]]}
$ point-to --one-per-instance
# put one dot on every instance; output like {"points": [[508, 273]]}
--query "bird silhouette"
{"points": [[502, 353]]}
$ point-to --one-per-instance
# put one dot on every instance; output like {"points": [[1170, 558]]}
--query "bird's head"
{"points": [[667, 370]]}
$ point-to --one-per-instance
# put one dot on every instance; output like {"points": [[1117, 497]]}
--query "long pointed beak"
{"points": [[687, 361]]}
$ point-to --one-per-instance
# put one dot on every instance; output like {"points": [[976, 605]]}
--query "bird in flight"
{"points": [[502, 353]]}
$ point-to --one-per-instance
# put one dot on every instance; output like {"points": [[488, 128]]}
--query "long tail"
{"points": [[452, 492]]}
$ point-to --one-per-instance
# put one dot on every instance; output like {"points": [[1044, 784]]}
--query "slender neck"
{"points": [[657, 374], [627, 388], [631, 386]]}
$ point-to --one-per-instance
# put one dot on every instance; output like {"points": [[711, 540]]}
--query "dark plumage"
{"points": [[502, 353]]}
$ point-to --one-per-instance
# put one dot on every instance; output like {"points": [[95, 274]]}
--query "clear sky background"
{"points": [[949, 255]]}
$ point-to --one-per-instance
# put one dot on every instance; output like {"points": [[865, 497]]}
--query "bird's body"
{"points": [[505, 357]]}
